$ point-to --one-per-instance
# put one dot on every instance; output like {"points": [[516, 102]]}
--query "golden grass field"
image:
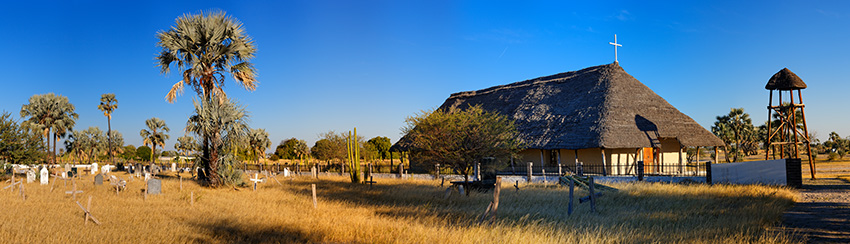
{"points": [[393, 211]]}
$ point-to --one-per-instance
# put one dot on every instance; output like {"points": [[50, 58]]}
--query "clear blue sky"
{"points": [[336, 65]]}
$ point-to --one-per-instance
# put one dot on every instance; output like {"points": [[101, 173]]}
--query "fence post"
{"points": [[579, 168], [572, 187], [708, 172], [640, 170], [477, 171], [560, 170], [400, 171], [592, 195], [438, 171], [528, 171]]}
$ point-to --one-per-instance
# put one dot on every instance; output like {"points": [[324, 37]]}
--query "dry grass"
{"points": [[393, 211]]}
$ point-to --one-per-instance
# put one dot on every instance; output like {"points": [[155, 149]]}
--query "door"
{"points": [[649, 160]]}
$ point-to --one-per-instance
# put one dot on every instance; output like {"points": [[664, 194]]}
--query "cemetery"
{"points": [[308, 207]]}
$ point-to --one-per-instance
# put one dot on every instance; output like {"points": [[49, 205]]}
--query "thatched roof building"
{"points": [[600, 107]]}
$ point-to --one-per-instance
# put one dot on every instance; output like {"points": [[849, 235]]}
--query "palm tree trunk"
{"points": [[54, 147], [109, 138]]}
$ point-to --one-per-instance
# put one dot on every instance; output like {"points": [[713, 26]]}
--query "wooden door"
{"points": [[649, 160]]}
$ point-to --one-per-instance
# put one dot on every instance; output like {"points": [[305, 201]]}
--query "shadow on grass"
{"points": [[228, 231]]}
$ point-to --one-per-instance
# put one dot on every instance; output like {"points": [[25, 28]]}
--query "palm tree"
{"points": [[154, 135], [184, 145], [108, 103], [90, 141], [49, 112], [259, 141], [205, 47], [224, 124], [117, 143]]}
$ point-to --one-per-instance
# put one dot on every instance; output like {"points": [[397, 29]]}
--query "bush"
{"points": [[832, 156]]}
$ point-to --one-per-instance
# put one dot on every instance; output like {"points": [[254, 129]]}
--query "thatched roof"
{"points": [[596, 107], [785, 80]]}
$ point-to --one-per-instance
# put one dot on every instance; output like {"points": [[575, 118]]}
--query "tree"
{"points": [[91, 141], [108, 103], [382, 145], [154, 135], [116, 141], [258, 140], [185, 145], [461, 138], [144, 153], [129, 152], [737, 131], [48, 112], [219, 46], [223, 125], [19, 144], [324, 150], [291, 149]]}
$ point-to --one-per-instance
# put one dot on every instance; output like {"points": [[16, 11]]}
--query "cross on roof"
{"points": [[615, 47]]}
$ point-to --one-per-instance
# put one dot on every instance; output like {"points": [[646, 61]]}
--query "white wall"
{"points": [[769, 172]]}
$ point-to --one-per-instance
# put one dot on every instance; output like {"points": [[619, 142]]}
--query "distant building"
{"points": [[600, 116]]}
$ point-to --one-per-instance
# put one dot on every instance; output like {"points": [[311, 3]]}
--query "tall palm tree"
{"points": [[206, 47], [154, 135], [259, 141], [38, 112], [108, 103]]}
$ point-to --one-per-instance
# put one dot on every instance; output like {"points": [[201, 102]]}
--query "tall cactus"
{"points": [[353, 156]]}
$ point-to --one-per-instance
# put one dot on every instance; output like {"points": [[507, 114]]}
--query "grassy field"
{"points": [[393, 211]]}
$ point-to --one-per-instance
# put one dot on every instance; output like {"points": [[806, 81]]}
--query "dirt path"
{"points": [[822, 212]]}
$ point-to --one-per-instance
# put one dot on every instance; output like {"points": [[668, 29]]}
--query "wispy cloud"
{"points": [[623, 15]]}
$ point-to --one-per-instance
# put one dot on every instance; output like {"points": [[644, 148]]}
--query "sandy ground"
{"points": [[822, 212]]}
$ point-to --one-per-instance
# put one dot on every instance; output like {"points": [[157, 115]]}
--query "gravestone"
{"points": [[105, 169], [93, 168], [147, 176], [44, 176], [98, 179], [67, 167], [285, 172], [30, 175], [154, 186], [173, 167]]}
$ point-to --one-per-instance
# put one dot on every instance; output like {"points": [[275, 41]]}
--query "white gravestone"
{"points": [[104, 169], [93, 168], [30, 176], [147, 176], [44, 176], [285, 172], [173, 167]]}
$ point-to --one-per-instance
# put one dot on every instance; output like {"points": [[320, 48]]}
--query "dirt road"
{"points": [[822, 212]]}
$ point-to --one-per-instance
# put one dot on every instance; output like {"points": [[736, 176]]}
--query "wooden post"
{"points": [[542, 162], [315, 203], [192, 199], [592, 196], [639, 170], [572, 188], [496, 192], [681, 166], [529, 172], [708, 173], [181, 181], [604, 164], [769, 132], [806, 130]]}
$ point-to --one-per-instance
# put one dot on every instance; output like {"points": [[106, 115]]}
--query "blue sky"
{"points": [[336, 65]]}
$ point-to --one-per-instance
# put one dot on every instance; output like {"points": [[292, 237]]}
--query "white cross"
{"points": [[615, 47], [256, 179]]}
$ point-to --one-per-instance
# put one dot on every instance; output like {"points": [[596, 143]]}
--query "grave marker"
{"points": [[74, 190], [154, 187], [30, 176], [256, 179], [88, 213], [105, 169], [173, 167], [98, 179], [45, 176], [93, 168]]}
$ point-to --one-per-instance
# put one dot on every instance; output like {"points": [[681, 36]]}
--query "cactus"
{"points": [[353, 156]]}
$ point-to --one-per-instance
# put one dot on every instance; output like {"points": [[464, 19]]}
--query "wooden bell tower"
{"points": [[790, 131]]}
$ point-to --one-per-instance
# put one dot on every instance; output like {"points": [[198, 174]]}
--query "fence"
{"points": [[638, 169]]}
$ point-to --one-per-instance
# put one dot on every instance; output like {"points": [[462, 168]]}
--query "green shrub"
{"points": [[832, 156]]}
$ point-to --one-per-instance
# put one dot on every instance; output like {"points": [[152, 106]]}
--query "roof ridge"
{"points": [[559, 77]]}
